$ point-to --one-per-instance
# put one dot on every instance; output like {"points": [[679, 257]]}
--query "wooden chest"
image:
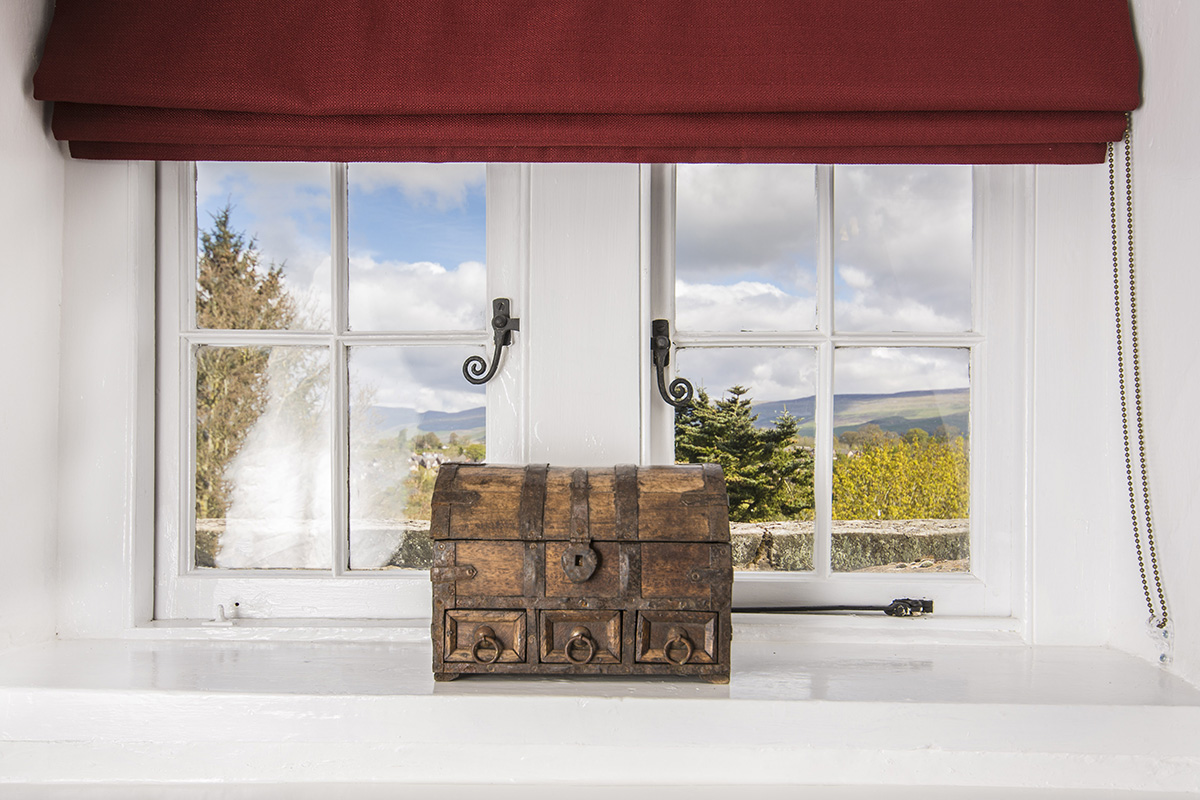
{"points": [[555, 571]]}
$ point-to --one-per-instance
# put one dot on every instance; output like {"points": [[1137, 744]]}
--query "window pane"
{"points": [[262, 258], [745, 247], [902, 248], [753, 415], [262, 458], [417, 247], [410, 410], [901, 460]]}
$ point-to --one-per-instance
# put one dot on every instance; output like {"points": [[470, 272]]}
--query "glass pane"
{"points": [[410, 410], [262, 458], [263, 254], [745, 247], [417, 247], [901, 477], [753, 415], [902, 248]]}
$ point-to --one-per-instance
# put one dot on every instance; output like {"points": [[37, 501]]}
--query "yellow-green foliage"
{"points": [[917, 476], [418, 486]]}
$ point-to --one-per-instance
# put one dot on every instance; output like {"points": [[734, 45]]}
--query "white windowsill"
{"points": [[812, 712], [850, 629]]}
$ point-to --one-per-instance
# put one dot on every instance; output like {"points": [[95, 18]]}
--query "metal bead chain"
{"points": [[1137, 382]]}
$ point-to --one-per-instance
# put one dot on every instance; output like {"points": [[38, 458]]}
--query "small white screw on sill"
{"points": [[221, 620]]}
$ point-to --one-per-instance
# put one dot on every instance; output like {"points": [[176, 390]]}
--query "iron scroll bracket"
{"points": [[679, 393], [475, 369]]}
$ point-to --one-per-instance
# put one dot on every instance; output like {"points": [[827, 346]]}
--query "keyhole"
{"points": [[578, 560]]}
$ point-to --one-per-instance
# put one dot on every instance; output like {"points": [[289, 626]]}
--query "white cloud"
{"points": [[769, 373], [886, 370], [904, 249], [420, 378], [444, 186], [747, 305], [746, 220], [395, 295], [856, 278]]}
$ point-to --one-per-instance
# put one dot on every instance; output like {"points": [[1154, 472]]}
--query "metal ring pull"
{"points": [[677, 638], [475, 369], [485, 637], [680, 392], [580, 634]]}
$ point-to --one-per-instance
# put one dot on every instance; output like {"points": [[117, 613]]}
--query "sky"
{"points": [[416, 252], [746, 254], [746, 250]]}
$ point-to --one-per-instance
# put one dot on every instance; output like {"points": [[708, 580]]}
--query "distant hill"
{"points": [[390, 419], [898, 412]]}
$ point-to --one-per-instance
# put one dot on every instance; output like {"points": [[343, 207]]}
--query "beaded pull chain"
{"points": [[1158, 616]]}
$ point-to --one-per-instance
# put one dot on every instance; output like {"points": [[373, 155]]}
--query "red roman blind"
{"points": [[849, 81]]}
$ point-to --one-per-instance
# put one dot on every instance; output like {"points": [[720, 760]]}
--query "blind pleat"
{"points": [[791, 80]]}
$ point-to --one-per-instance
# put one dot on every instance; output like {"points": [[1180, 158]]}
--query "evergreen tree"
{"points": [[768, 474], [234, 292]]}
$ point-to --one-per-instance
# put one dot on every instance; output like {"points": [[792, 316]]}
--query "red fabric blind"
{"points": [[624, 80]]}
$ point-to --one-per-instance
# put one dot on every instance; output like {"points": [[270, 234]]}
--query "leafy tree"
{"points": [[768, 474], [234, 291], [917, 476], [427, 443]]}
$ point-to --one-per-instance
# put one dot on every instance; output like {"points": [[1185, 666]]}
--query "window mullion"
{"points": [[823, 434], [339, 381], [188, 225]]}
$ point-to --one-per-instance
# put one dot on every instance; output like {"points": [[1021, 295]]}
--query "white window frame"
{"points": [[584, 250]]}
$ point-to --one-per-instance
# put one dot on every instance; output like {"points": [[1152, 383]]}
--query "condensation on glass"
{"points": [[262, 459], [745, 247], [901, 462], [309, 426], [409, 413], [755, 414]]}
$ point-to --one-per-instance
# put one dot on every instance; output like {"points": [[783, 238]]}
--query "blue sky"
{"points": [[746, 253]]}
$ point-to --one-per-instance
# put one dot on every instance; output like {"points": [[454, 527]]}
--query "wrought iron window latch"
{"points": [[680, 392], [475, 369]]}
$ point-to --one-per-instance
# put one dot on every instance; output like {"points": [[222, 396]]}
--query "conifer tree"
{"points": [[768, 474], [234, 292]]}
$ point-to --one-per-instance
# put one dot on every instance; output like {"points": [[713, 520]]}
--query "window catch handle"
{"points": [[680, 392], [475, 369]]}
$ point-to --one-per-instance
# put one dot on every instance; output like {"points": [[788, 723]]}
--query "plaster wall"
{"points": [[31, 226], [1167, 172]]}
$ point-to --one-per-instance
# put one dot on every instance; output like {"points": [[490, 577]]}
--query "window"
{"points": [[829, 311], [311, 334], [589, 255], [872, 315]]}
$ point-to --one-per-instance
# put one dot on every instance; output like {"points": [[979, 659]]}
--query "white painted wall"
{"points": [[31, 224], [106, 400], [1086, 584], [1167, 169]]}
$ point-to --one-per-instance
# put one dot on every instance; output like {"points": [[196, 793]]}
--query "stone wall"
{"points": [[937, 545]]}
